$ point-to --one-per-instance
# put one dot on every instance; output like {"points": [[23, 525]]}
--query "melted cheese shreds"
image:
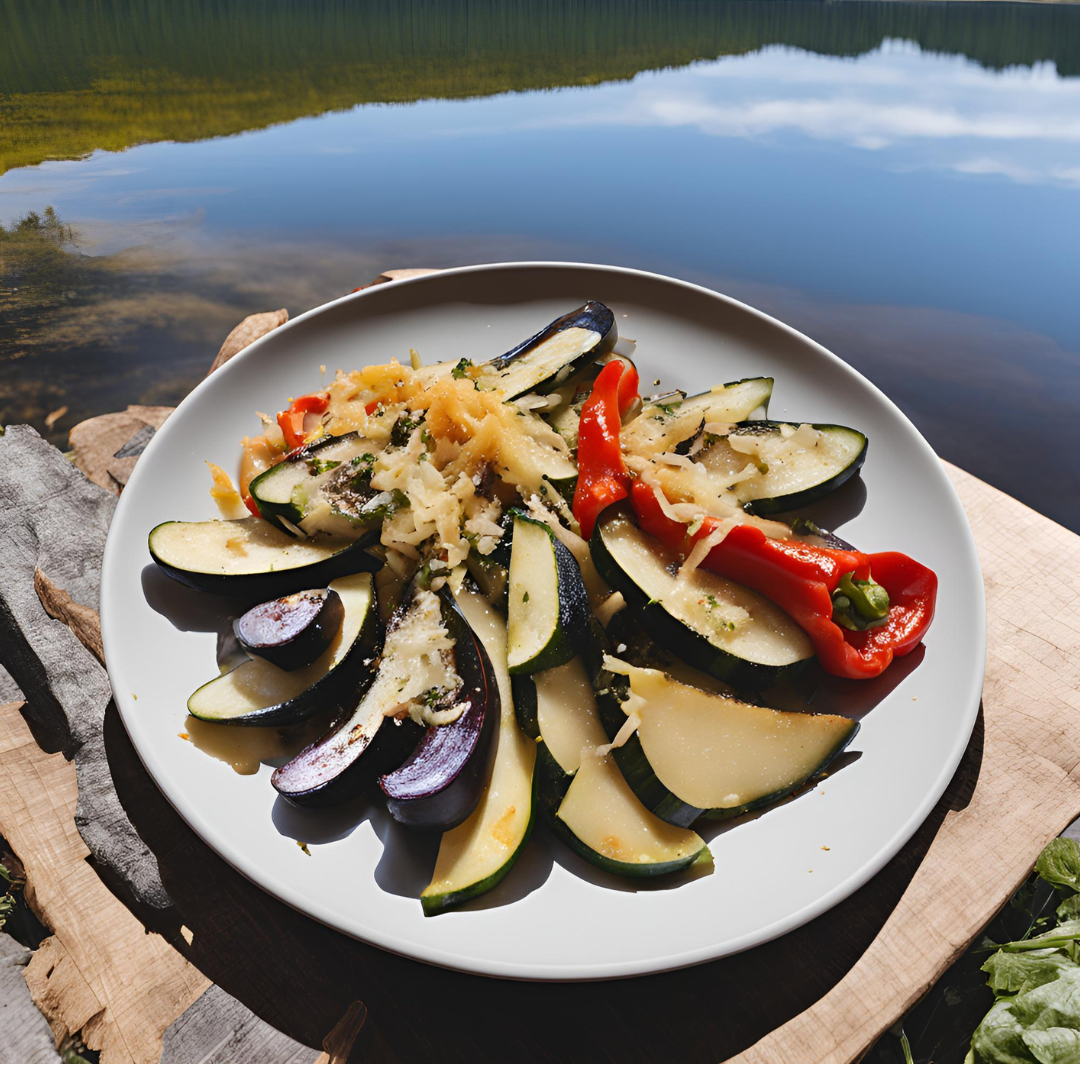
{"points": [[225, 495], [419, 657], [703, 546]]}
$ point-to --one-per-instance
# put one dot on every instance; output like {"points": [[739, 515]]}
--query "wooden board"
{"points": [[1026, 792]]}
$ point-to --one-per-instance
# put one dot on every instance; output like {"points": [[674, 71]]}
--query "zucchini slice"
{"points": [[251, 559], [602, 820], [558, 707], [325, 489], [586, 801], [260, 693], [547, 602], [662, 425], [726, 630], [789, 465], [698, 754], [555, 354], [477, 855]]}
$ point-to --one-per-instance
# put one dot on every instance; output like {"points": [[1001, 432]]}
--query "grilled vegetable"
{"points": [[293, 630], [354, 752], [586, 801], [666, 423], [602, 821], [726, 630], [251, 559], [554, 355], [477, 855], [557, 709], [325, 488], [442, 781], [860, 610], [696, 754], [257, 692], [547, 602], [565, 416], [604, 478], [783, 466]]}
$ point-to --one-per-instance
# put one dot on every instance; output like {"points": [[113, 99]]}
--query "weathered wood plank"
{"points": [[55, 519], [25, 1037], [1027, 790], [99, 973], [218, 1030]]}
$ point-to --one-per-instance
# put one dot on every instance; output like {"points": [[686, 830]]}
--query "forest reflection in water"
{"points": [[898, 180]]}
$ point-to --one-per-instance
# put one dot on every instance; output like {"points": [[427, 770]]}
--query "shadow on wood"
{"points": [[302, 977]]}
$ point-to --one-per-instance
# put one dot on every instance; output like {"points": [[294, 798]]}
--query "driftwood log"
{"points": [[829, 989]]}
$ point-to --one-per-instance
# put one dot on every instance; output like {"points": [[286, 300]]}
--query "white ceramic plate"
{"points": [[553, 917]]}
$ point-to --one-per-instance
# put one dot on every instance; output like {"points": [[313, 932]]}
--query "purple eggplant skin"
{"points": [[441, 783], [338, 767], [359, 747], [593, 315], [293, 630]]}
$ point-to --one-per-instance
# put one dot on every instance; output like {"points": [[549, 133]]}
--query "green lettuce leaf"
{"points": [[1041, 1025], [1016, 973], [1059, 863]]}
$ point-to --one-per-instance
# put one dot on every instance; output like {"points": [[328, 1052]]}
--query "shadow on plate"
{"points": [[194, 612], [836, 509]]}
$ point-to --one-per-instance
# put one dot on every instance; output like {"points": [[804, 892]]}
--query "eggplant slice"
{"points": [[260, 693], [441, 783], [249, 558], [417, 662], [547, 359], [291, 631]]}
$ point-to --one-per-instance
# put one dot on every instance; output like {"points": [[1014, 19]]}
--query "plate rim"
{"points": [[585, 972]]}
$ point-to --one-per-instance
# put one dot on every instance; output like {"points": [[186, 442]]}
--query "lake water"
{"points": [[901, 181]]}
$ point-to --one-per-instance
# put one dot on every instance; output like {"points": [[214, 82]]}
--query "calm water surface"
{"points": [[900, 181]]}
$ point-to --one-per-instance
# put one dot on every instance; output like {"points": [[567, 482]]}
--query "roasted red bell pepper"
{"points": [[815, 586], [291, 421], [603, 479]]}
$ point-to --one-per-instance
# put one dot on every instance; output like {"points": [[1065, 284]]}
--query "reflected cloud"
{"points": [[931, 106]]}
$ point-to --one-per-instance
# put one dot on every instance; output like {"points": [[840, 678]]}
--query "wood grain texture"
{"points": [[1027, 789], [99, 973]]}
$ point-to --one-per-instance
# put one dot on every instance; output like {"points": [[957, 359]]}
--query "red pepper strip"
{"points": [[801, 579], [249, 502], [291, 421], [603, 479]]}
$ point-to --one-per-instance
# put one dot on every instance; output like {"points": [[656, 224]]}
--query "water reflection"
{"points": [[897, 180]]}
